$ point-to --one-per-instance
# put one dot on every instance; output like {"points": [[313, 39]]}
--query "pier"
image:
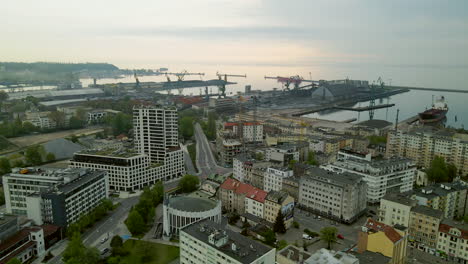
{"points": [[430, 89], [363, 108]]}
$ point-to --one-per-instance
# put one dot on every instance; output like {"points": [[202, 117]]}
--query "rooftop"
{"points": [[277, 196], [320, 174], [399, 198], [447, 224], [375, 123], [191, 204], [84, 176], [389, 231], [369, 257], [425, 210], [293, 253], [237, 246], [120, 153], [243, 188]]}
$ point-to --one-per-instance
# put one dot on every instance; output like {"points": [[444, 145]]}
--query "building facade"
{"points": [[181, 211], [395, 209], [395, 175], [67, 202], [251, 131], [423, 144], [453, 241], [424, 227], [274, 176], [276, 201], [208, 242], [233, 193], [340, 197]]}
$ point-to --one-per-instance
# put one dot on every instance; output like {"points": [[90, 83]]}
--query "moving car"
{"points": [[340, 236]]}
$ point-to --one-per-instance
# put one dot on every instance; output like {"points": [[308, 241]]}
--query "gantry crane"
{"points": [[222, 87], [180, 77], [287, 81], [137, 81]]}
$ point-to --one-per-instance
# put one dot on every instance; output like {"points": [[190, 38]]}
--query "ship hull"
{"points": [[432, 116]]}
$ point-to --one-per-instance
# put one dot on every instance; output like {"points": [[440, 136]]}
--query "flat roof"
{"points": [[247, 250], [120, 153], [425, 210], [86, 177], [399, 198], [320, 174], [191, 203]]}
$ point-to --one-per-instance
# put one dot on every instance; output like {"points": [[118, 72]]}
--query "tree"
{"points": [[116, 244], [135, 223], [189, 183], [5, 166], [328, 235], [120, 123], [75, 123], [292, 163], [211, 126], [14, 261], [76, 252], [158, 193], [282, 244], [58, 117], [50, 157], [186, 127], [311, 159], [269, 237], [439, 171], [3, 98], [279, 226], [259, 156], [295, 224], [33, 155]]}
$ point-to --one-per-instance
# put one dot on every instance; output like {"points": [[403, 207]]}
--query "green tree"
{"points": [[76, 252], [279, 226], [211, 126], [50, 157], [116, 245], [292, 163], [33, 155], [75, 123], [311, 159], [135, 223], [3, 98], [188, 183], [186, 127], [14, 261], [328, 235], [440, 171], [120, 123], [282, 244], [158, 193], [259, 156], [5, 166], [58, 117], [269, 237]]}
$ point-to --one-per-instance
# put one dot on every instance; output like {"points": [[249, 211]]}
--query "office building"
{"points": [[209, 242], [66, 203], [395, 175], [342, 197]]}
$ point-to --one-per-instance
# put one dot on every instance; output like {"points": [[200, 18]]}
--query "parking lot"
{"points": [[309, 221]]}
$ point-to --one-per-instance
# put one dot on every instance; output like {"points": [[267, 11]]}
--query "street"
{"points": [[206, 162]]}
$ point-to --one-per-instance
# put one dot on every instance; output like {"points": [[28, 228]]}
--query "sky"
{"points": [[417, 42]]}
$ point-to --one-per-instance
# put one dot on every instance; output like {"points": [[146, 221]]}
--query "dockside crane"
{"points": [[137, 81], [180, 77], [287, 81], [222, 87]]}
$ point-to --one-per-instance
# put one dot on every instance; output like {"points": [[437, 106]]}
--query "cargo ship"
{"points": [[436, 113]]}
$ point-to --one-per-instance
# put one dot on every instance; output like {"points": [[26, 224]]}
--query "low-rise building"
{"points": [[227, 150], [291, 255], [453, 241], [233, 193], [381, 238], [342, 197], [208, 242], [424, 227], [395, 209], [325, 256], [181, 211], [276, 201], [251, 131]]}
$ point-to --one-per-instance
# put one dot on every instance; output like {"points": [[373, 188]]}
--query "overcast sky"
{"points": [[417, 37]]}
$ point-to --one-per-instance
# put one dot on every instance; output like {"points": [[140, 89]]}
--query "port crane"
{"points": [[287, 81], [222, 87], [180, 77]]}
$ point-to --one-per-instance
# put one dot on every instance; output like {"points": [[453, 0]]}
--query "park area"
{"points": [[147, 252]]}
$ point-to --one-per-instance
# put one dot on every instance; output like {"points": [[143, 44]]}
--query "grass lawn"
{"points": [[147, 252]]}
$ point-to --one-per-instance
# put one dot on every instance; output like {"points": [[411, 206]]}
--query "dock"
{"points": [[430, 89], [363, 108]]}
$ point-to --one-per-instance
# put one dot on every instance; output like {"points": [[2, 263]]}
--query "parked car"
{"points": [[104, 251], [306, 236], [104, 239], [340, 236], [319, 218]]}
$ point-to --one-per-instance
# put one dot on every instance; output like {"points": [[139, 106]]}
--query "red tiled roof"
{"points": [[18, 251], [389, 231], [244, 188], [444, 228], [49, 229], [20, 235]]}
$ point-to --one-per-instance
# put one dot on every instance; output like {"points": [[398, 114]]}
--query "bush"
{"points": [[295, 224], [233, 218]]}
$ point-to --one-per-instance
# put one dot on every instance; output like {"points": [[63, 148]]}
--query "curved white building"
{"points": [[181, 211]]}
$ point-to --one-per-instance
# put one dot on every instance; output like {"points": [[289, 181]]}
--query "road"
{"points": [[206, 162], [108, 227]]}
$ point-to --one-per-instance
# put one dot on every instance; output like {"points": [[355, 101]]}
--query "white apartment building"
{"points": [[65, 203], [206, 242], [21, 183], [395, 209], [40, 119], [273, 180], [128, 170], [57, 196], [453, 241], [282, 154], [155, 131], [394, 175], [255, 203], [339, 196], [423, 144]]}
